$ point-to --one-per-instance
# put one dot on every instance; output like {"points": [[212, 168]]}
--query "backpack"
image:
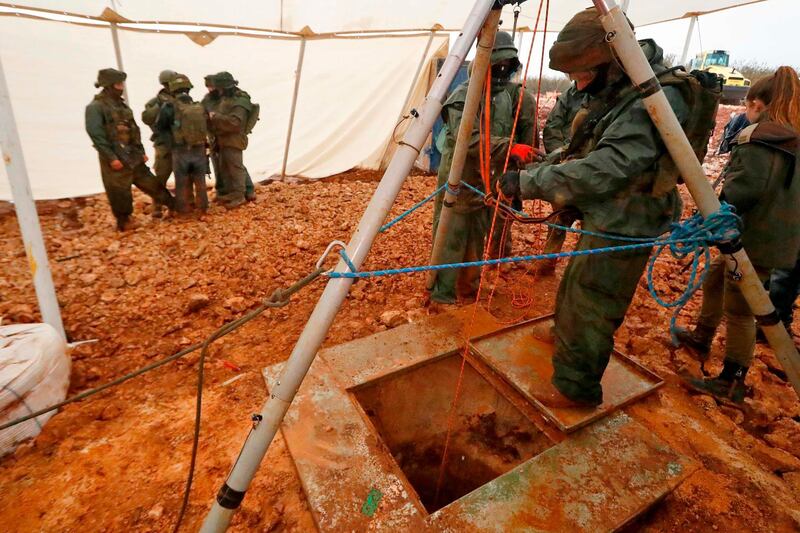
{"points": [[252, 118], [702, 92], [190, 127]]}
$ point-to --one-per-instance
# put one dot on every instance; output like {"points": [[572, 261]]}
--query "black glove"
{"points": [[509, 184]]}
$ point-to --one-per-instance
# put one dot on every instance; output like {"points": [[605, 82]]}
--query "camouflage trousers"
{"points": [[162, 167], [117, 184], [230, 174], [556, 237], [191, 167], [592, 300], [464, 241], [722, 296]]}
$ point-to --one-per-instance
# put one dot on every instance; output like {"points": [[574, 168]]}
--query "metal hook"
{"points": [[332, 246]]}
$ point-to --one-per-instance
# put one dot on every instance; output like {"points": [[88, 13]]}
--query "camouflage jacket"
{"points": [[230, 118], [761, 182], [150, 116], [616, 179], [113, 130], [557, 130], [504, 106]]}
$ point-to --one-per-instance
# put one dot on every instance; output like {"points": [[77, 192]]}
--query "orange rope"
{"points": [[485, 135]]}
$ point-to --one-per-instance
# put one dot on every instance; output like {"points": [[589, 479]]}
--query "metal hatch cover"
{"points": [[596, 479], [522, 356]]}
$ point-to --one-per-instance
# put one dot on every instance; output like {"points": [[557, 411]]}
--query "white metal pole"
{"points": [[477, 80], [688, 43], [118, 54], [629, 52], [255, 447], [297, 73], [626, 4], [25, 208]]}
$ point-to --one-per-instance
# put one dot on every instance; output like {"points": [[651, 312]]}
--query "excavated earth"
{"points": [[118, 461]]}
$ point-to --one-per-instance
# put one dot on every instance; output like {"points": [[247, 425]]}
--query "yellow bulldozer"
{"points": [[718, 62]]}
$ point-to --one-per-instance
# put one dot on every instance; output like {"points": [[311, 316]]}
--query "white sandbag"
{"points": [[34, 373]]}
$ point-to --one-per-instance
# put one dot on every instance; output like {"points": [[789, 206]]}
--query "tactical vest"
{"points": [[225, 106], [118, 120], [190, 127]]}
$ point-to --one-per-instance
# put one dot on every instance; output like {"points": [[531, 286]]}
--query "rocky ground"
{"points": [[118, 462]]}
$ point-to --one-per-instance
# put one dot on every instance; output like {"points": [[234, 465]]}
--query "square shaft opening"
{"points": [[489, 436]]}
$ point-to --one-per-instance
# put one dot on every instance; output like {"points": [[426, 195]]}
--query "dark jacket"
{"points": [[761, 183]]}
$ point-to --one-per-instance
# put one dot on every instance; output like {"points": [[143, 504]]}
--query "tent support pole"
{"points": [[626, 5], [298, 72], [688, 43], [477, 80], [410, 93], [118, 54], [25, 208], [739, 266], [258, 440]]}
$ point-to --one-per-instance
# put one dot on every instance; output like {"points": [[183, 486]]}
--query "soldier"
{"points": [[762, 183], [232, 115], [187, 122], [557, 135], [613, 179], [163, 164], [116, 137], [470, 219]]}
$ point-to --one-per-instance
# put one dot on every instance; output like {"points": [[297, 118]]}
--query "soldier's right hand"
{"points": [[116, 164]]}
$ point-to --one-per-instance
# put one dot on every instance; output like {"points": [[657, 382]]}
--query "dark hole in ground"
{"points": [[490, 436]]}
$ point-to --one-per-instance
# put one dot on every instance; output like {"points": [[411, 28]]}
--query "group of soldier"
{"points": [[603, 162], [185, 134]]}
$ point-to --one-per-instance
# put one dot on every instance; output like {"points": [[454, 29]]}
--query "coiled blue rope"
{"points": [[693, 238]]}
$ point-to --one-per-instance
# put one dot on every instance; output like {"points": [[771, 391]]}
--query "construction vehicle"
{"points": [[735, 85]]}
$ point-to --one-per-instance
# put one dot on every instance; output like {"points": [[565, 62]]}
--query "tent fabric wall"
{"points": [[324, 16], [351, 92]]}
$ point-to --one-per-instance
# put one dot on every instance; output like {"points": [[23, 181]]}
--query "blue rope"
{"points": [[690, 238], [723, 226], [413, 208]]}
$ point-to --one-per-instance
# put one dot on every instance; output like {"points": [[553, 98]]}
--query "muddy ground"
{"points": [[118, 461]]}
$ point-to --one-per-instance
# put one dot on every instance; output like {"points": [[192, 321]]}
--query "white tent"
{"points": [[352, 88]]}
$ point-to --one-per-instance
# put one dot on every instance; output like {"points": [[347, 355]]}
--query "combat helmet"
{"points": [[178, 83], [166, 76], [109, 76], [224, 80]]}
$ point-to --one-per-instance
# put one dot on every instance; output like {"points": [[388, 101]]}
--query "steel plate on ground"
{"points": [[523, 354]]}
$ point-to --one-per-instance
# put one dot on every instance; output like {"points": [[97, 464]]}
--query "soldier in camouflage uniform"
{"points": [[228, 106], [557, 134], [762, 183], [163, 163], [470, 219], [116, 137], [614, 180]]}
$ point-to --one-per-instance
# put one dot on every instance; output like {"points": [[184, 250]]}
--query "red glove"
{"points": [[523, 152], [116, 164]]}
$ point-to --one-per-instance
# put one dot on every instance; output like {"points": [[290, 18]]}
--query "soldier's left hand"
{"points": [[509, 184], [145, 158]]}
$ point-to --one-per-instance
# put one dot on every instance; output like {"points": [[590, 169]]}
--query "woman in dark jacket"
{"points": [[761, 183]]}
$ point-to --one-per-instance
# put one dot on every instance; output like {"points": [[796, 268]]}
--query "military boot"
{"points": [[728, 386], [158, 210], [123, 222], [698, 341]]}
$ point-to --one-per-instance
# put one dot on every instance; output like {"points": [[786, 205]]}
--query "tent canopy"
{"points": [[352, 90]]}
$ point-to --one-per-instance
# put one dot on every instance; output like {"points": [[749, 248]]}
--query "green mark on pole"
{"points": [[371, 503]]}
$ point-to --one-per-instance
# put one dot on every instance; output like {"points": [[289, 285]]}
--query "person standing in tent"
{"points": [[761, 181], [163, 163], [556, 135], [620, 177], [232, 116], [187, 122], [117, 139], [471, 219]]}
